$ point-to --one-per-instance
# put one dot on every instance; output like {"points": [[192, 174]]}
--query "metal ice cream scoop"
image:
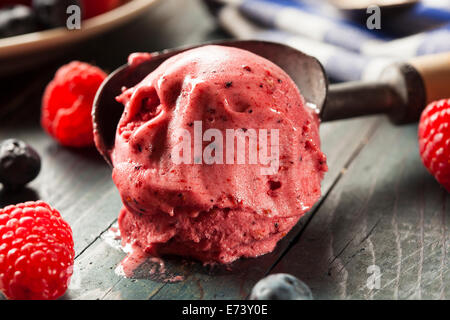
{"points": [[402, 91]]}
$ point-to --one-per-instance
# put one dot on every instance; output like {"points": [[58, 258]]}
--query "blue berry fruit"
{"points": [[19, 163], [53, 13], [281, 286], [16, 20]]}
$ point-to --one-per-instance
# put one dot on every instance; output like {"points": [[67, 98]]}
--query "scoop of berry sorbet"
{"points": [[217, 156]]}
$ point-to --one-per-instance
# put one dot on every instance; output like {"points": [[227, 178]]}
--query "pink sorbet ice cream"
{"points": [[190, 191]]}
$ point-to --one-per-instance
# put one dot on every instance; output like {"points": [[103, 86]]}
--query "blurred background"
{"points": [[352, 39], [374, 166]]}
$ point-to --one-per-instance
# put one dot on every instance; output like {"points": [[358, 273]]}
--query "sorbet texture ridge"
{"points": [[202, 199]]}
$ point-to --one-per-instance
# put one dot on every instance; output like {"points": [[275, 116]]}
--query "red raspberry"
{"points": [[94, 8], [67, 104], [36, 252], [434, 140]]}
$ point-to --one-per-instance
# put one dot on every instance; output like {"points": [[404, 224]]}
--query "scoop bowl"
{"points": [[306, 71]]}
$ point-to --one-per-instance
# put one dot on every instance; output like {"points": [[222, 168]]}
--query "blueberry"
{"points": [[53, 13], [281, 286], [16, 20], [19, 163]]}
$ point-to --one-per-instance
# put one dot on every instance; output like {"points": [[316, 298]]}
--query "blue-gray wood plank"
{"points": [[386, 211]]}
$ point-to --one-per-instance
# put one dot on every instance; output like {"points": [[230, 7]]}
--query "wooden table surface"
{"points": [[379, 207]]}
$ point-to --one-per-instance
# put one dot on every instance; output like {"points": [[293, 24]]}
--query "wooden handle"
{"points": [[435, 72]]}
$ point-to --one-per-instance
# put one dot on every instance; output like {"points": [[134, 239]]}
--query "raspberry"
{"points": [[67, 104], [36, 252], [94, 8], [434, 140]]}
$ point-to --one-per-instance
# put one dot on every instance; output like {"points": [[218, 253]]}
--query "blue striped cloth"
{"points": [[347, 49]]}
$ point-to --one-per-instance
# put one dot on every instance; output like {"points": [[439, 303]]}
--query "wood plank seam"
{"points": [[95, 240]]}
